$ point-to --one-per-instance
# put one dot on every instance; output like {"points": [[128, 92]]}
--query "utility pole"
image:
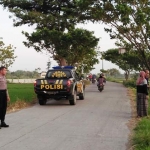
{"points": [[102, 60], [102, 64]]}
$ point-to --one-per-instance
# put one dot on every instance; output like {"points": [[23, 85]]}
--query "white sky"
{"points": [[28, 59]]}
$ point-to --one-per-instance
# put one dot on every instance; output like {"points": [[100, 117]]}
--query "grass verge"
{"points": [[21, 95], [139, 138], [140, 127]]}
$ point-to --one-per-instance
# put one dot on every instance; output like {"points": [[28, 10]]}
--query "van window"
{"points": [[59, 74]]}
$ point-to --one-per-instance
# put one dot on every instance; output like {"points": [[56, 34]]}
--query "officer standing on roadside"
{"points": [[4, 96]]}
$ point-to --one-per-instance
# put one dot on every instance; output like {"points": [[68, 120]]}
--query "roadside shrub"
{"points": [[130, 83], [141, 139], [86, 82], [112, 79]]}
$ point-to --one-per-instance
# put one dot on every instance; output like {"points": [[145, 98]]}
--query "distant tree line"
{"points": [[21, 74]]}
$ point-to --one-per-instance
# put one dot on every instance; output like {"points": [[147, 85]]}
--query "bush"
{"points": [[129, 83], [118, 80], [86, 82]]}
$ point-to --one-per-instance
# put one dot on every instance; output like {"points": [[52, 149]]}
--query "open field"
{"points": [[22, 92]]}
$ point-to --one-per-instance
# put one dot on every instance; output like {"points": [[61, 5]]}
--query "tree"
{"points": [[113, 72], [7, 57], [37, 70], [48, 64], [73, 46], [128, 61], [54, 23], [128, 21]]}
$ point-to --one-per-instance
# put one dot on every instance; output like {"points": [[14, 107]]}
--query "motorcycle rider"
{"points": [[90, 77], [93, 78], [104, 78], [100, 80]]}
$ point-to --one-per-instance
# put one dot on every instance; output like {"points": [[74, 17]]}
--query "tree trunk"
{"points": [[61, 61], [127, 73]]}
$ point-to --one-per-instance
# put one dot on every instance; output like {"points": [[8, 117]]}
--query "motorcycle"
{"points": [[93, 81], [100, 87]]}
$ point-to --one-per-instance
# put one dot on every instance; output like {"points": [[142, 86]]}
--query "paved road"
{"points": [[96, 123]]}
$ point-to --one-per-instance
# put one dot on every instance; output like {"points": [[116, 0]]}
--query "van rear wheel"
{"points": [[41, 100], [82, 95], [73, 100]]}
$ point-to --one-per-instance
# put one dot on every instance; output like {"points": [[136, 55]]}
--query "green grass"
{"points": [[22, 92], [117, 80], [141, 139]]}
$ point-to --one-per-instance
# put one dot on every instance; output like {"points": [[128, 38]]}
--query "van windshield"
{"points": [[59, 74]]}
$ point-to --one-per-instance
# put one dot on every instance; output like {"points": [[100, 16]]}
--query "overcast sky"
{"points": [[28, 59]]}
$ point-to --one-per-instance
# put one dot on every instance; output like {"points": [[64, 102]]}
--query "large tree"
{"points": [[113, 72], [128, 61], [128, 21], [7, 56], [73, 46], [54, 22]]}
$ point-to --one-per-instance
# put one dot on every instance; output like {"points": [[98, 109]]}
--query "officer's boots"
{"points": [[3, 124]]}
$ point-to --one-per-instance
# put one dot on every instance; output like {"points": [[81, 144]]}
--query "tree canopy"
{"points": [[128, 20], [128, 61], [7, 56], [74, 46], [55, 31]]}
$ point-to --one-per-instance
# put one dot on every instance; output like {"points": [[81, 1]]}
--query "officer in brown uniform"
{"points": [[4, 96]]}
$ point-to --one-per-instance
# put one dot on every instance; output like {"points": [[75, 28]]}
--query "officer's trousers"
{"points": [[3, 104]]}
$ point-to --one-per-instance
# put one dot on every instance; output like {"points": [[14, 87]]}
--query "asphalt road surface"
{"points": [[97, 123]]}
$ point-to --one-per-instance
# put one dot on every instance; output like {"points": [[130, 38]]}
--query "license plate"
{"points": [[52, 87]]}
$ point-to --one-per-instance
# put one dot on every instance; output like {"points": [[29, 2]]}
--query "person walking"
{"points": [[4, 96], [142, 95]]}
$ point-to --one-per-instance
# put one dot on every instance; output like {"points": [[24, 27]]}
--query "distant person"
{"points": [[142, 95], [4, 96], [147, 78], [94, 76], [90, 77]]}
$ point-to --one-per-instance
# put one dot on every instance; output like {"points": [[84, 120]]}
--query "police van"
{"points": [[61, 82]]}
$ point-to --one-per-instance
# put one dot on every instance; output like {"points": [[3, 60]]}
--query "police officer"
{"points": [[4, 96]]}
